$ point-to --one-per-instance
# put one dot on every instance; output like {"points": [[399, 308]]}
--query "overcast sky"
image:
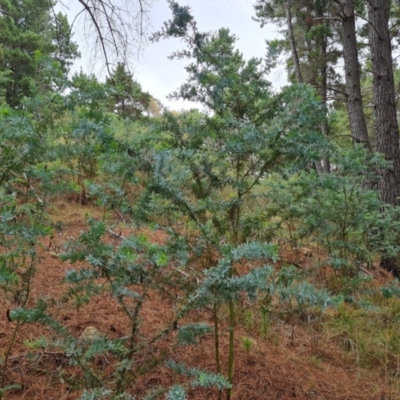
{"points": [[160, 76]]}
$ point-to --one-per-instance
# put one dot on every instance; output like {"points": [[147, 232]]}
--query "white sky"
{"points": [[160, 76]]}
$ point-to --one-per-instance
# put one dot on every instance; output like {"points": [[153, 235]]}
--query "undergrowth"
{"points": [[228, 192]]}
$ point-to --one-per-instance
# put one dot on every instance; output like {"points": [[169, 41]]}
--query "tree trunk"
{"points": [[358, 124], [387, 130], [324, 93], [292, 40]]}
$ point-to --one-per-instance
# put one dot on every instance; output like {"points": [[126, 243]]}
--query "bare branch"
{"points": [[115, 29], [99, 32], [370, 23]]}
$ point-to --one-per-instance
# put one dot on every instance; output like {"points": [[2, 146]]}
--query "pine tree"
{"points": [[127, 97], [355, 108], [387, 128], [28, 30], [308, 39]]}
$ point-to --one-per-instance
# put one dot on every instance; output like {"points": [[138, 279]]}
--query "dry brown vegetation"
{"points": [[299, 357]]}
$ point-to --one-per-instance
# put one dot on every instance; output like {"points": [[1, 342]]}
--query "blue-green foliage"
{"points": [[27, 315], [96, 394], [21, 227], [9, 388], [391, 290], [200, 377], [219, 285], [188, 334], [21, 145], [222, 184], [335, 211], [176, 393]]}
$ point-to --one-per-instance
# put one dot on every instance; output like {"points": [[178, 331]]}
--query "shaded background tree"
{"points": [[329, 27], [28, 30], [310, 41], [126, 96], [354, 100], [386, 124]]}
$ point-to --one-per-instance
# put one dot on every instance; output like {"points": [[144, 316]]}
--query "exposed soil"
{"points": [[295, 361]]}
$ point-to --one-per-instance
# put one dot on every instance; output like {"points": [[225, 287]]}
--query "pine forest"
{"points": [[246, 248]]}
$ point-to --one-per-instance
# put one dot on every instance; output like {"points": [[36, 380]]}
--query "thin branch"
{"points": [[327, 19], [334, 90], [32, 188], [370, 23], [349, 136], [40, 353], [74, 20], [116, 235], [99, 32]]}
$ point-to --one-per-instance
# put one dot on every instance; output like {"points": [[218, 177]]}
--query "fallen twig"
{"points": [[115, 234], [40, 354]]}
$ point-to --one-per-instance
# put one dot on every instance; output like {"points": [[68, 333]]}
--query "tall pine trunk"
{"points": [[326, 165], [292, 41], [387, 130], [323, 90], [358, 124]]}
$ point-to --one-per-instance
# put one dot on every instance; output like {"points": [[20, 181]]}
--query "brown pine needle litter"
{"points": [[296, 360]]}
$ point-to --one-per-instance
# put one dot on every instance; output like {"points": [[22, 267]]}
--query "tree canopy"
{"points": [[28, 31]]}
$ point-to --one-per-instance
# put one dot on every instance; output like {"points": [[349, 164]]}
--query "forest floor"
{"points": [[298, 359]]}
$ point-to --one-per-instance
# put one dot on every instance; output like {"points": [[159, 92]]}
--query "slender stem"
{"points": [[131, 345], [231, 346], [8, 352], [292, 40], [216, 338], [30, 272]]}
